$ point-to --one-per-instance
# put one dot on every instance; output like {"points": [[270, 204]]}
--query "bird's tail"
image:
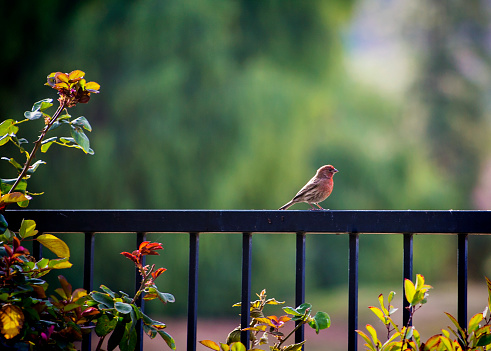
{"points": [[286, 206]]}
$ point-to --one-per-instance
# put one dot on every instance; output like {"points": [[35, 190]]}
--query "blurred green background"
{"points": [[216, 104]]}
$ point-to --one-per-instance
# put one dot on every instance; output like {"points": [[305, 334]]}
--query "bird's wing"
{"points": [[307, 187]]}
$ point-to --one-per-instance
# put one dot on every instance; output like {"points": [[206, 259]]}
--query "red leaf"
{"points": [[158, 272]]}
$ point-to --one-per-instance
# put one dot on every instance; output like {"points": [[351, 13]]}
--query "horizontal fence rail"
{"points": [[196, 222]]}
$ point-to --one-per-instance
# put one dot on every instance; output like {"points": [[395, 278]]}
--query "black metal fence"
{"points": [[300, 223]]}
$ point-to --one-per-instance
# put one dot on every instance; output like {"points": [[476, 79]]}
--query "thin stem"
{"points": [[291, 333], [37, 145], [412, 310], [145, 279]]}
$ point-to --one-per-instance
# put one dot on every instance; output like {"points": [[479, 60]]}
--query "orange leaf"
{"points": [[11, 320]]}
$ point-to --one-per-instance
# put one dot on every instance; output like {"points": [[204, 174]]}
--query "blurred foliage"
{"points": [[235, 104]]}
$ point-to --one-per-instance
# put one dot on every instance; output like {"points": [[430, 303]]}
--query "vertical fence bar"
{"points": [[354, 245], [193, 291], [140, 237], [407, 273], [462, 268], [89, 239], [300, 280], [246, 286]]}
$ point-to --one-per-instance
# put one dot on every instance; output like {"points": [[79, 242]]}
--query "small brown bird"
{"points": [[316, 190]]}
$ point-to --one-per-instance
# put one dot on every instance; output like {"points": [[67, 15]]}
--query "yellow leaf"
{"points": [[11, 319], [62, 77], [210, 344], [60, 263], [410, 290], [92, 86], [75, 76], [237, 346], [78, 293], [56, 245], [27, 228], [14, 197]]}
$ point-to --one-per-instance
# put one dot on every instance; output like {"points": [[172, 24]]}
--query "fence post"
{"points": [[193, 291], [246, 287], [462, 261], [89, 239], [407, 274], [354, 246], [300, 281]]}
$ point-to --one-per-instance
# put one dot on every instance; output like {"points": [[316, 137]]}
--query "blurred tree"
{"points": [[451, 92], [235, 104]]}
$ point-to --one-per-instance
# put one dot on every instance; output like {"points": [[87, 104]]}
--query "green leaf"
{"points": [[484, 340], [295, 347], [103, 299], [6, 185], [82, 122], [299, 311], [322, 321], [116, 336], [60, 121], [3, 224], [461, 332], [8, 127], [4, 139], [369, 342], [378, 312], [128, 342], [27, 228], [70, 307], [35, 166], [80, 138], [391, 296], [45, 144], [123, 307], [60, 263], [474, 323], [152, 292], [7, 235], [42, 263], [488, 283], [13, 162], [33, 115], [303, 308], [42, 105], [373, 334], [167, 338], [105, 325], [292, 311], [108, 291], [70, 142]]}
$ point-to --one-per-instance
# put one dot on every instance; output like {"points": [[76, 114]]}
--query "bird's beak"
{"points": [[335, 170]]}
